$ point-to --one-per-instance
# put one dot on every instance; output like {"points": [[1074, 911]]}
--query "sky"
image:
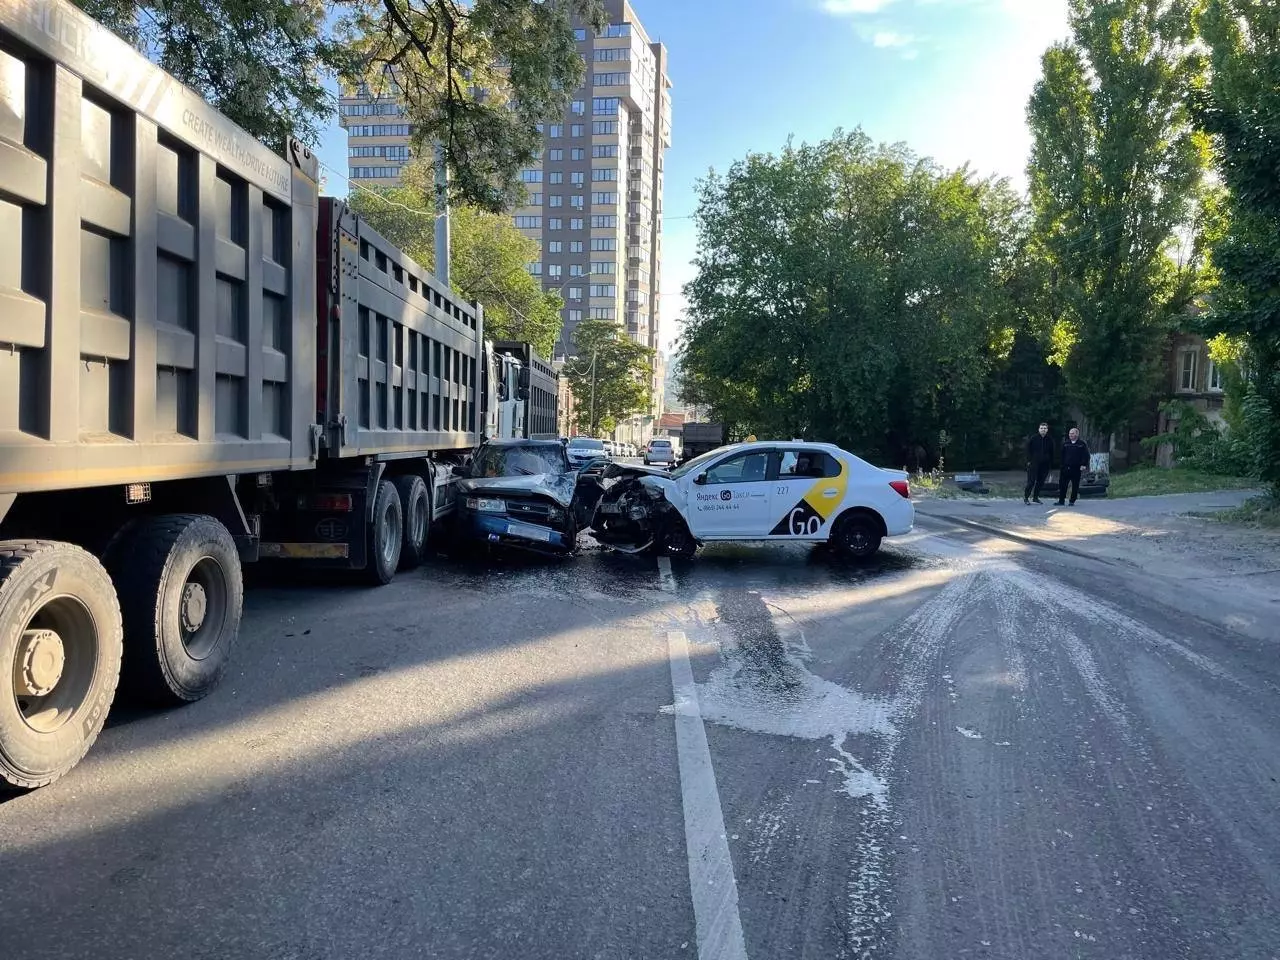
{"points": [[950, 78]]}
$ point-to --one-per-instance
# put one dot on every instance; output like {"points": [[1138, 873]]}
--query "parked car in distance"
{"points": [[755, 491], [523, 494], [582, 450], [661, 450]]}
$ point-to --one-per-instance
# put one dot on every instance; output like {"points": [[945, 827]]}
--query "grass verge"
{"points": [[1146, 481], [1259, 512]]}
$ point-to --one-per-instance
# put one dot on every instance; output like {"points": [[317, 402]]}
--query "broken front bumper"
{"points": [[501, 530]]}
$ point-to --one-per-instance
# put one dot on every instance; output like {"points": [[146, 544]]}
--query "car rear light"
{"points": [[903, 488]]}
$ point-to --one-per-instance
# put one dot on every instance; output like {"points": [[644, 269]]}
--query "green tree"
{"points": [[1241, 108], [851, 293], [611, 375], [475, 75], [487, 257], [1115, 173]]}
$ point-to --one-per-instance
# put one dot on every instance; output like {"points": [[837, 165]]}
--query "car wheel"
{"points": [[677, 541], [857, 536]]}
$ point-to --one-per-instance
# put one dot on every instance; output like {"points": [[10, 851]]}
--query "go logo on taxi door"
{"points": [[819, 503]]}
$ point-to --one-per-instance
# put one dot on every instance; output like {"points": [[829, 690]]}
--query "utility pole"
{"points": [[442, 216], [594, 426]]}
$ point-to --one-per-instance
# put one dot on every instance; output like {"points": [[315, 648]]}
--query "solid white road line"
{"points": [[711, 880], [666, 579]]}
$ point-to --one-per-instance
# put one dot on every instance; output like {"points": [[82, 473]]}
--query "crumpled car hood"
{"points": [[619, 470], [556, 486]]}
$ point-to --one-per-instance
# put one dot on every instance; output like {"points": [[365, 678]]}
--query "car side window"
{"points": [[808, 464], [744, 468]]}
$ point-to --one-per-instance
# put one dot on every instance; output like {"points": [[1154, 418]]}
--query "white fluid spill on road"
{"points": [[968, 734]]}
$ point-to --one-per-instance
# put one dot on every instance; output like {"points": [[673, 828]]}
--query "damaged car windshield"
{"points": [[518, 461]]}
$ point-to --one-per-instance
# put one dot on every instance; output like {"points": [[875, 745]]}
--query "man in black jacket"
{"points": [[1075, 459], [1039, 462]]}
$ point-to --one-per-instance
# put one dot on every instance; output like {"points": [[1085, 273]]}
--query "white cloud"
{"points": [[849, 8], [888, 38]]}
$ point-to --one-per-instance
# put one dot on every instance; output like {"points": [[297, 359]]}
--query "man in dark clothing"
{"points": [[1039, 462], [1075, 458]]}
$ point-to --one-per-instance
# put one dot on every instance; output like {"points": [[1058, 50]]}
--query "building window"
{"points": [[1187, 369], [610, 54], [556, 154], [531, 176], [535, 200], [557, 200], [604, 174], [604, 128], [555, 246], [574, 316], [553, 271], [575, 201], [555, 131], [575, 270], [528, 223], [575, 293], [604, 243], [609, 80], [604, 150], [617, 30], [604, 290], [575, 223], [603, 266], [577, 177], [578, 107], [576, 129], [555, 176], [575, 246], [604, 313], [555, 223], [604, 199], [534, 267], [605, 222], [604, 106], [577, 153], [1217, 382]]}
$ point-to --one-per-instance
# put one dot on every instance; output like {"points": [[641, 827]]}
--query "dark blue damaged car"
{"points": [[524, 495]]}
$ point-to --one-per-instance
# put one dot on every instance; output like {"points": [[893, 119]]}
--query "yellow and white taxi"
{"points": [[757, 491]]}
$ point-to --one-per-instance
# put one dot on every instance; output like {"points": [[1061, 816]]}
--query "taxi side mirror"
{"points": [[700, 479]]}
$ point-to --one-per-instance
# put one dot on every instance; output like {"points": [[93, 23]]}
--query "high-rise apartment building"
{"points": [[595, 199]]}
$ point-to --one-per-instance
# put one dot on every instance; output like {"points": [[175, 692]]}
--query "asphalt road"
{"points": [[966, 748]]}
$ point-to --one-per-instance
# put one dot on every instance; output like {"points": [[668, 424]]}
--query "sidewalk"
{"points": [[1232, 570]]}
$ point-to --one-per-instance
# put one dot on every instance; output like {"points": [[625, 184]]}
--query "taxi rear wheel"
{"points": [[857, 536]]}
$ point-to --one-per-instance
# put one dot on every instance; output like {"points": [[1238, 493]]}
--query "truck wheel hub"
{"points": [[40, 662], [195, 604]]}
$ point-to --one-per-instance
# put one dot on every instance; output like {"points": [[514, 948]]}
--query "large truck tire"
{"points": [[60, 643], [386, 535], [416, 506], [182, 595]]}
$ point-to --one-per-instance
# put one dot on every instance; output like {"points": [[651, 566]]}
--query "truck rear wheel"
{"points": [[60, 643], [182, 594], [386, 535], [416, 506]]}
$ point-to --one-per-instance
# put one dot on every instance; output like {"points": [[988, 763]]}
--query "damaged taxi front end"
{"points": [[640, 508]]}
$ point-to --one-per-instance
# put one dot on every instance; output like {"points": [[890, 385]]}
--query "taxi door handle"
{"points": [[830, 492]]}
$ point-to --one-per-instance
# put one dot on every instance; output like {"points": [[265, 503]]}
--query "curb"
{"points": [[1020, 538]]}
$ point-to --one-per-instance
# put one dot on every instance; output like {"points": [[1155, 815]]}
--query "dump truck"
{"points": [[203, 363], [539, 389], [700, 438]]}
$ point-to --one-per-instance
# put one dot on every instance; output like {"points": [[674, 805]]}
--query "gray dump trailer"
{"points": [[203, 363]]}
